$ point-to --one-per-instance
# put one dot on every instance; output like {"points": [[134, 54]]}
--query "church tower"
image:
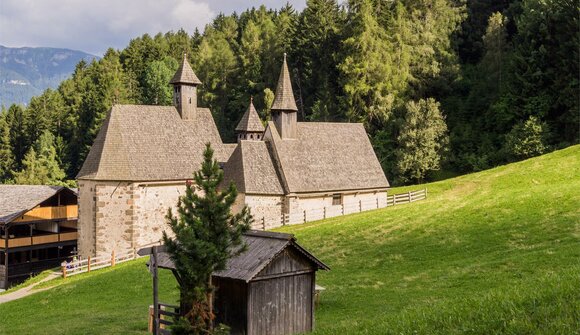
{"points": [[284, 110], [185, 90], [250, 126]]}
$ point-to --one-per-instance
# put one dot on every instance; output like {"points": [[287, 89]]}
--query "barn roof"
{"points": [[327, 157], [284, 99], [251, 168], [185, 74], [16, 200], [250, 121], [263, 247], [139, 142]]}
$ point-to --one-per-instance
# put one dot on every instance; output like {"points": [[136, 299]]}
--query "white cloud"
{"points": [[93, 26]]}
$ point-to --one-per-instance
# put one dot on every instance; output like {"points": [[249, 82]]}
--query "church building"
{"points": [[143, 156]]}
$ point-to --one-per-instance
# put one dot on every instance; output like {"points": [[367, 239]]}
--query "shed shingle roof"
{"points": [[263, 247], [15, 200], [327, 157], [250, 121], [145, 143], [284, 99], [252, 170], [185, 74]]}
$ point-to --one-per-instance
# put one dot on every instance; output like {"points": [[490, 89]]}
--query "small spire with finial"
{"points": [[284, 57]]}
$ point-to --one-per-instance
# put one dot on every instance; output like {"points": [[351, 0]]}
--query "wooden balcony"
{"points": [[38, 239], [49, 213]]}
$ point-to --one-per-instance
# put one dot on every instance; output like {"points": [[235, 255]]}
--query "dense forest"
{"points": [[442, 86]]}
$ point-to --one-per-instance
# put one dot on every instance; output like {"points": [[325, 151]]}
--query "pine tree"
{"points": [[421, 142], [6, 157], [40, 166], [366, 66], [206, 234]]}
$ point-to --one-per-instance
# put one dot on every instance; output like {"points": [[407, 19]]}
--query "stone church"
{"points": [[143, 156]]}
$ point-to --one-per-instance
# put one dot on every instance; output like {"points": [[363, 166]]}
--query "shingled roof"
{"points": [[263, 248], [326, 157], [185, 74], [149, 143], [251, 168], [250, 121], [16, 200], [284, 99]]}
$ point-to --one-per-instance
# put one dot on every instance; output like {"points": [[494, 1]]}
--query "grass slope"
{"points": [[487, 253]]}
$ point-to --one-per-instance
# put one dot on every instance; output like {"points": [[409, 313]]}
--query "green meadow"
{"points": [[495, 252]]}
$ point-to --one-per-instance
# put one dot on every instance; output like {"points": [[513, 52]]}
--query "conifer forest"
{"points": [[443, 87]]}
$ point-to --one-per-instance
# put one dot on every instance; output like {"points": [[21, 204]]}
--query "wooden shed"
{"points": [[267, 290]]}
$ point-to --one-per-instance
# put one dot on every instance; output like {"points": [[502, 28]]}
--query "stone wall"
{"points": [[151, 204], [86, 219], [351, 202], [264, 206], [114, 217]]}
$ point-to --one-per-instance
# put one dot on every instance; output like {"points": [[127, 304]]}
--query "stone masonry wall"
{"points": [[151, 204], [86, 222], [114, 217], [264, 206]]}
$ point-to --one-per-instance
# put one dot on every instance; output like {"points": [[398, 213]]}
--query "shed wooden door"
{"points": [[281, 306]]}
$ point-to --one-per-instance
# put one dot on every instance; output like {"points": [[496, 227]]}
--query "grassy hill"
{"points": [[487, 253]]}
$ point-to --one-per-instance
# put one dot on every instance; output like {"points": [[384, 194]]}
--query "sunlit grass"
{"points": [[496, 252]]}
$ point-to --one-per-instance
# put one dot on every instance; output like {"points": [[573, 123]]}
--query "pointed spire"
{"points": [[250, 121], [185, 74], [284, 99]]}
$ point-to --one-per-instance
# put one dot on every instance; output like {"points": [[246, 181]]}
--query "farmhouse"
{"points": [[266, 290], [143, 155], [38, 229]]}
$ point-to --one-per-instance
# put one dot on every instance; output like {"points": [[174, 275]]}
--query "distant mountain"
{"points": [[26, 72]]}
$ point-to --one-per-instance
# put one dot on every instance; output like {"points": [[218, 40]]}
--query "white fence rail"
{"points": [[338, 210], [78, 266]]}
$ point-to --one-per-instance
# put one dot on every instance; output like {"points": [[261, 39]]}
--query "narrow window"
{"points": [[336, 199]]}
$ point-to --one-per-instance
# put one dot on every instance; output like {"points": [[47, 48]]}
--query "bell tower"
{"points": [[284, 110], [185, 90]]}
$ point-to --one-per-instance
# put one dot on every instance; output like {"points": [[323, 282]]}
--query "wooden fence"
{"points": [[89, 264], [338, 210]]}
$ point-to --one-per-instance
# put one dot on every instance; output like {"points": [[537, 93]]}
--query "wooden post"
{"points": [[89, 264], [155, 291], [377, 202], [304, 215], [425, 193], [342, 208], [360, 205], [409, 195], [324, 216], [113, 258], [264, 222], [63, 268]]}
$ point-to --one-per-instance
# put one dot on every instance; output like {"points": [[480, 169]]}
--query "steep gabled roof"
{"points": [[251, 168], [284, 99], [147, 143], [185, 74], [326, 157], [250, 121], [263, 248], [16, 200]]}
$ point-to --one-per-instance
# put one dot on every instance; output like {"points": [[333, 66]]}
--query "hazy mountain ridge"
{"points": [[26, 72]]}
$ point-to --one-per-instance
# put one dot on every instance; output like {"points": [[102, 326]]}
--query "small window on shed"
{"points": [[336, 199]]}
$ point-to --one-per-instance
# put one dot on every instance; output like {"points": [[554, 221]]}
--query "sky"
{"points": [[94, 25]]}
